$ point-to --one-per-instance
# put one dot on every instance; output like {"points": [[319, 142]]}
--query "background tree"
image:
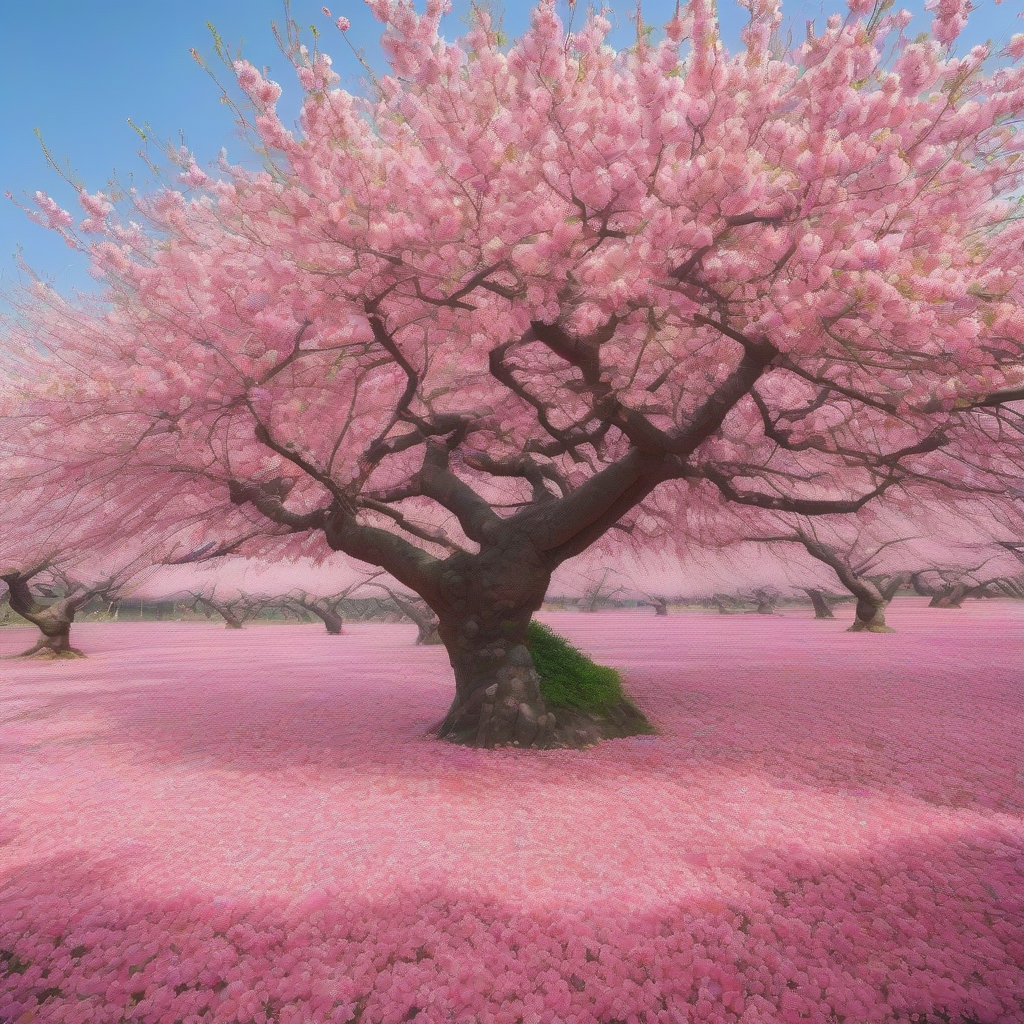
{"points": [[659, 604], [855, 554], [419, 612], [235, 610], [598, 593], [327, 609], [820, 603], [765, 600], [949, 587], [48, 598], [66, 545], [520, 304]]}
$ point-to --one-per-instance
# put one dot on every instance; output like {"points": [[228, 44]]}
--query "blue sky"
{"points": [[79, 69]]}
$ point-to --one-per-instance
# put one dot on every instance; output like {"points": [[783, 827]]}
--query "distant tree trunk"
{"points": [[323, 610], [873, 595], [659, 604], [765, 602], [952, 597], [232, 619], [872, 600], [719, 603], [426, 621], [53, 621], [333, 622], [820, 604]]}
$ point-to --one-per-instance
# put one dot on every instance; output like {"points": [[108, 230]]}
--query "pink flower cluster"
{"points": [[214, 827]]}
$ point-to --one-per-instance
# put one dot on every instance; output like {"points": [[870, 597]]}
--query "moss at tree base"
{"points": [[587, 699]]}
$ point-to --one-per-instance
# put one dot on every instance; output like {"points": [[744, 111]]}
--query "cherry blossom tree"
{"points": [[46, 596], [820, 603], [59, 551], [659, 604], [234, 609], [327, 609], [324, 608], [857, 554], [520, 304], [949, 587], [419, 612], [765, 600], [599, 592], [726, 604]]}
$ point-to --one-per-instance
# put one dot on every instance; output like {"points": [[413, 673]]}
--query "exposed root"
{"points": [[49, 653]]}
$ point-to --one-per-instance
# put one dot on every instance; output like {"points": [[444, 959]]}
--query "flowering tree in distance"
{"points": [[520, 304], [60, 549], [422, 616], [820, 603], [235, 609], [949, 586], [327, 609], [50, 599], [854, 560]]}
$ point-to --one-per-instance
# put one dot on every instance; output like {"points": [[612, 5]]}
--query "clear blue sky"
{"points": [[78, 69]]}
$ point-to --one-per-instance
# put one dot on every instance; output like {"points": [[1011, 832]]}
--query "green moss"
{"points": [[568, 678]]}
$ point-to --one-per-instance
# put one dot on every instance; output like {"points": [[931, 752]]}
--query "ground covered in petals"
{"points": [[204, 825]]}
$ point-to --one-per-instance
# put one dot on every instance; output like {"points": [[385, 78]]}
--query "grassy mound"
{"points": [[568, 678]]}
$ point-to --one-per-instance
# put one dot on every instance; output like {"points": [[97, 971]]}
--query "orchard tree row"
{"points": [[518, 303]]}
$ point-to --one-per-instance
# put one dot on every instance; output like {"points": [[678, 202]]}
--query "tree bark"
{"points": [[485, 609], [953, 597], [820, 604], [870, 616], [872, 600], [332, 623], [53, 621], [426, 622], [56, 639], [428, 635]]}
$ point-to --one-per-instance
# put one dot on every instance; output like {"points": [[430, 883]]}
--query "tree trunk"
{"points": [[333, 622], [427, 634], [870, 617], [53, 622], [426, 621], [660, 606], [951, 598], [489, 600], [820, 604], [56, 639]]}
